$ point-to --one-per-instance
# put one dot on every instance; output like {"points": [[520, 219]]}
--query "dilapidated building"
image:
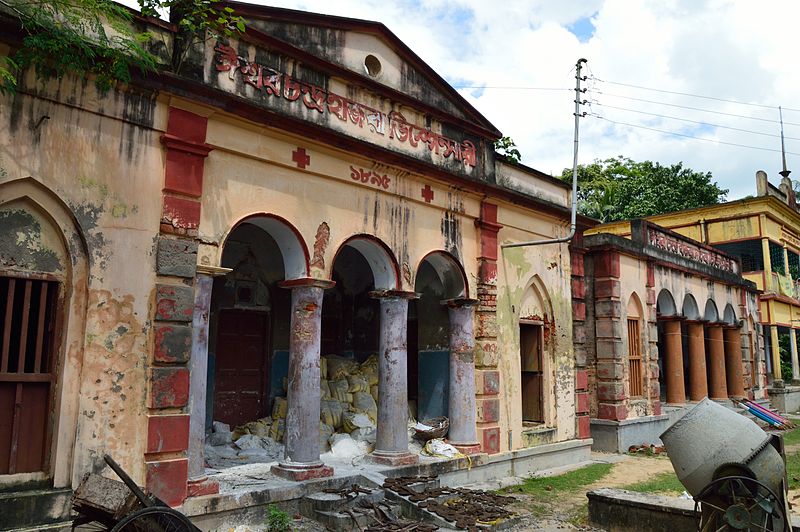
{"points": [[668, 322], [184, 249]]}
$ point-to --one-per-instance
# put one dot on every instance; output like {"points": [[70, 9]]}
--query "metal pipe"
{"points": [[573, 214]]}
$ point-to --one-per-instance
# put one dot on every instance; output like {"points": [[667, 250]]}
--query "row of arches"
{"points": [[666, 308]]}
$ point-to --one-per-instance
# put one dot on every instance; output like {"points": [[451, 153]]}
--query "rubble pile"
{"points": [[348, 418]]}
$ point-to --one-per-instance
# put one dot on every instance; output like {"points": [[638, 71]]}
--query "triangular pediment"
{"points": [[370, 53]]}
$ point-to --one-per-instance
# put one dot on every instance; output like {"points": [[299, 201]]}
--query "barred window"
{"points": [[749, 252], [776, 261]]}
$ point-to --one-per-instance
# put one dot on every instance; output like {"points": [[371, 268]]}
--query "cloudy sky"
{"points": [[514, 60]]}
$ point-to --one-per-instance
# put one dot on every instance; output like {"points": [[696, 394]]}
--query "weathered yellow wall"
{"points": [[94, 163]]}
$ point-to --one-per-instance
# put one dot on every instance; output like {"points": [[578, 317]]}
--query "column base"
{"points": [[467, 448], [393, 458], [201, 486], [300, 472]]}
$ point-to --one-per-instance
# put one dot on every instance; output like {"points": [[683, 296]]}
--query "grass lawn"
{"points": [[546, 487], [791, 437], [666, 483]]}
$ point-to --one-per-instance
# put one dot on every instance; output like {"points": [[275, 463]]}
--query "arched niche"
{"points": [[690, 309], [711, 314], [665, 304], [293, 250], [729, 315], [535, 345], [48, 248]]}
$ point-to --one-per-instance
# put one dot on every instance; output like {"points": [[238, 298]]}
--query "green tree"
{"points": [[620, 188], [101, 38], [506, 147]]}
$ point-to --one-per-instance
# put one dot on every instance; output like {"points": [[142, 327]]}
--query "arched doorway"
{"points": [[350, 315], [250, 318], [636, 362], [670, 349], [439, 278], [535, 336]]}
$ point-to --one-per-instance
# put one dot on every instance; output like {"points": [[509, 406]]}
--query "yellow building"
{"points": [[763, 232]]}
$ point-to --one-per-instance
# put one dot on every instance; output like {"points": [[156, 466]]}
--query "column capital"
{"points": [[671, 318], [393, 294], [213, 271], [302, 282], [460, 302]]}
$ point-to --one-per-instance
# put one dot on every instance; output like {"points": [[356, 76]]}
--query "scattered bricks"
{"points": [[578, 310], [584, 428], [580, 355], [174, 302], [173, 343], [491, 382], [608, 309], [608, 328], [609, 349], [167, 434], [616, 412], [610, 391], [176, 256], [169, 387], [181, 212], [606, 288], [606, 265], [582, 399], [610, 370], [167, 480], [578, 287], [581, 379], [490, 440], [488, 410]]}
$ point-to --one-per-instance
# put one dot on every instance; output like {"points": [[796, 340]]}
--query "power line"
{"points": [[695, 108], [693, 121], [692, 95], [688, 136], [512, 88]]}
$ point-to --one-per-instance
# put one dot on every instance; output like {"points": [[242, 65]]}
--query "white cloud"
{"points": [[724, 48]]}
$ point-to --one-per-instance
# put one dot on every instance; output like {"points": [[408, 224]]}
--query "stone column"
{"points": [[734, 372], [698, 378], [716, 363], [198, 377], [391, 441], [673, 362], [462, 410], [301, 460], [793, 346]]}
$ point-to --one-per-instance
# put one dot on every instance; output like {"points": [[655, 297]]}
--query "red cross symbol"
{"points": [[299, 156], [427, 193]]}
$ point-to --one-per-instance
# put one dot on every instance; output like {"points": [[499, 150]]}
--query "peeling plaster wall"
{"points": [[99, 157], [547, 269]]}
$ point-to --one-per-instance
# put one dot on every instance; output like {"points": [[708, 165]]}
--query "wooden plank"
{"points": [[12, 459], [23, 336], [7, 327], [26, 377], [37, 362]]}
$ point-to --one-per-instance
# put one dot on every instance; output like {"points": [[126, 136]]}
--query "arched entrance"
{"points": [[670, 349], [250, 318], [439, 278], [535, 328]]}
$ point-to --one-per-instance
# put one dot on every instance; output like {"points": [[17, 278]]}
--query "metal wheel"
{"points": [[155, 519], [732, 503]]}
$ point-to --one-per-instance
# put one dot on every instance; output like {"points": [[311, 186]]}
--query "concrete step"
{"points": [[34, 509], [332, 502], [62, 526], [342, 521], [411, 510]]}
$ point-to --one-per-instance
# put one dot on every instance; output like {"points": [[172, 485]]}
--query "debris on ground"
{"points": [[469, 509], [647, 448]]}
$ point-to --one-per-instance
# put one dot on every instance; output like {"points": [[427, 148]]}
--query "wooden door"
{"points": [[241, 391], [530, 337], [27, 373]]}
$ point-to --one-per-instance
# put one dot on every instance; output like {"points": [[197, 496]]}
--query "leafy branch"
{"points": [[100, 38]]}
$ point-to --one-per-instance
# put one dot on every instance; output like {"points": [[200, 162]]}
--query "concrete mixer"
{"points": [[733, 469]]}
